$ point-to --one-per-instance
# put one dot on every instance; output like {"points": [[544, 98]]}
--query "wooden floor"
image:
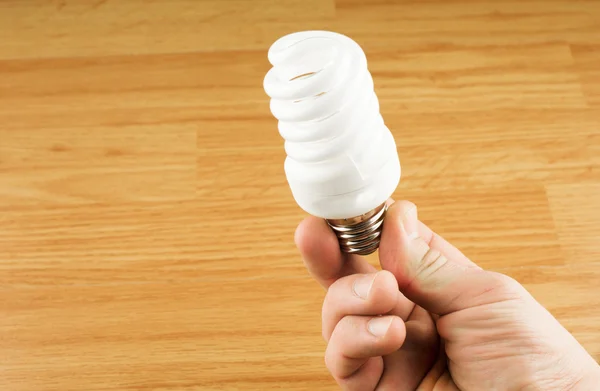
{"points": [[146, 227]]}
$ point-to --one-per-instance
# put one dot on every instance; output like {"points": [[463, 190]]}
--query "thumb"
{"points": [[431, 272]]}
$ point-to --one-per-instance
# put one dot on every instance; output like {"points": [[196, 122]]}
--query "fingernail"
{"points": [[362, 285], [409, 221], [379, 326]]}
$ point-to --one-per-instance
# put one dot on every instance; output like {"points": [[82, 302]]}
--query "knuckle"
{"points": [[342, 337], [324, 332], [387, 281], [348, 329], [383, 296], [330, 298], [347, 323], [331, 362], [326, 305], [506, 287], [328, 358], [326, 316], [332, 289], [339, 288], [335, 347]]}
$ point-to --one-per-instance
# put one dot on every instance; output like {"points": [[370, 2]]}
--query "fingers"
{"points": [[356, 344], [405, 368], [438, 378], [363, 294], [430, 271], [321, 253]]}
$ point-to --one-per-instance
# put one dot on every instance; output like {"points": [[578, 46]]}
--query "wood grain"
{"points": [[146, 227]]}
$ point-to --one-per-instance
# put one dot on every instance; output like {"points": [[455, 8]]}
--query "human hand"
{"points": [[432, 319]]}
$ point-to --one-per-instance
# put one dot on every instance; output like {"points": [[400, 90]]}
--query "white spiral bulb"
{"points": [[341, 158]]}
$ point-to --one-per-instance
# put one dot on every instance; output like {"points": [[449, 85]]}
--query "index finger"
{"points": [[321, 253]]}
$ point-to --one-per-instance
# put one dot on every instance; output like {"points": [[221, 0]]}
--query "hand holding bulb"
{"points": [[431, 319]]}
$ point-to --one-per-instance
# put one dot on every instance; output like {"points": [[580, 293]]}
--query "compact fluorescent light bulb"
{"points": [[342, 164]]}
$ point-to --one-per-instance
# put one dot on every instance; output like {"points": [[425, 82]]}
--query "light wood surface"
{"points": [[146, 227]]}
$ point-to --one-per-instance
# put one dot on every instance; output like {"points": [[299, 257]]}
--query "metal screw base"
{"points": [[361, 234]]}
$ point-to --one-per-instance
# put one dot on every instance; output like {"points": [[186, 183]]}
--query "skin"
{"points": [[431, 319]]}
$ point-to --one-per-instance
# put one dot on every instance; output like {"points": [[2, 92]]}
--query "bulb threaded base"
{"points": [[361, 234]]}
